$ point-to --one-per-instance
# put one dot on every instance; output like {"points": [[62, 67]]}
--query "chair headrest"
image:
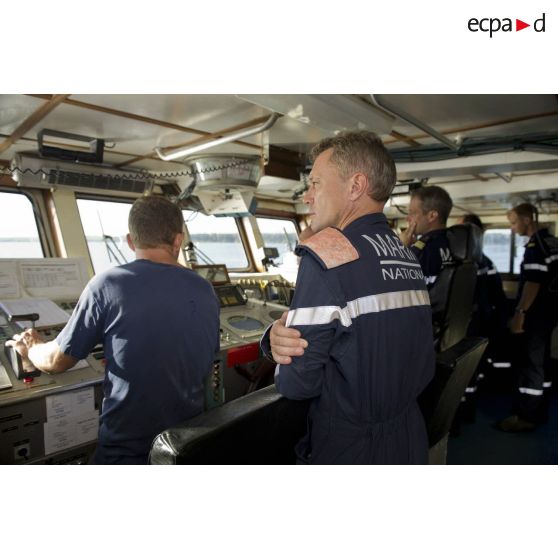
{"points": [[465, 242]]}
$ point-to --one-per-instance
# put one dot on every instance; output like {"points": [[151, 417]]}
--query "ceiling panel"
{"points": [[462, 111]]}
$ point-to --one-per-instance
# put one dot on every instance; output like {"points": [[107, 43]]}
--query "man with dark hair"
{"points": [[429, 210], [535, 317], [359, 293], [159, 326]]}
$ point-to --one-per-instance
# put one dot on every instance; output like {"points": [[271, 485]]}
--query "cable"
{"points": [[545, 143]]}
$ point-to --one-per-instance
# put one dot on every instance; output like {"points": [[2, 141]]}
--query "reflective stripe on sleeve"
{"points": [[547, 384], [320, 315], [530, 391], [539, 267], [551, 259], [430, 279]]}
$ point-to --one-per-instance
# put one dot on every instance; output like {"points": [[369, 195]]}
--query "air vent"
{"points": [[33, 172], [55, 177]]}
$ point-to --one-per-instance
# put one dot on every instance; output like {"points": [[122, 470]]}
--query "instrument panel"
{"points": [[49, 418], [242, 319], [53, 418]]}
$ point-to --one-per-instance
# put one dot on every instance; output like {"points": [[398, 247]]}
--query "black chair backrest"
{"points": [[452, 295], [260, 428], [465, 242], [440, 399]]}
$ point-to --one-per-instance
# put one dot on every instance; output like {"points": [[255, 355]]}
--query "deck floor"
{"points": [[480, 443]]}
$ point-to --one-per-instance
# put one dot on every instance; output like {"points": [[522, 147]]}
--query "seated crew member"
{"points": [[535, 317], [363, 308], [159, 326], [429, 210]]}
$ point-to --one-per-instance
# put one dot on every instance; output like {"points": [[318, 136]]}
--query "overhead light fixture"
{"points": [[331, 113], [83, 149]]}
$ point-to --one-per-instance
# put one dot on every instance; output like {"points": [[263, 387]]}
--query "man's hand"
{"points": [[22, 342], [516, 323], [285, 341], [408, 236]]}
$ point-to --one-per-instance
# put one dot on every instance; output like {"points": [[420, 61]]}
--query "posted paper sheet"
{"points": [[71, 420]]}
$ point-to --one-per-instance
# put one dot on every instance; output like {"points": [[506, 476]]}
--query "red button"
{"points": [[27, 380]]}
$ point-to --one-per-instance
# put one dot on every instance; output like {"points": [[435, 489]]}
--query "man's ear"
{"points": [[359, 186], [178, 241], [130, 242], [432, 216]]}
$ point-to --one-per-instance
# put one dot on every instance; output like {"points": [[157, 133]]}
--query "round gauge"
{"points": [[245, 323]]}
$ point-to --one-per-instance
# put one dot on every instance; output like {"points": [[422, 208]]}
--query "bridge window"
{"points": [[499, 245], [280, 234], [216, 239], [105, 224], [19, 234]]}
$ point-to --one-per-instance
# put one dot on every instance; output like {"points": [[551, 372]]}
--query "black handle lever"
{"points": [[33, 317]]}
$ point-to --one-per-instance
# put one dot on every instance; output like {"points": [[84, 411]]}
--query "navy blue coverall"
{"points": [[432, 250], [540, 320], [361, 303]]}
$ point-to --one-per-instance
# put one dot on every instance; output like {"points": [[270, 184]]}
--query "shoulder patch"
{"points": [[332, 247], [419, 244]]}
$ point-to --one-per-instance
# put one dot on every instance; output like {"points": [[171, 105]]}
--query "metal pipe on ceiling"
{"points": [[169, 155], [400, 113]]}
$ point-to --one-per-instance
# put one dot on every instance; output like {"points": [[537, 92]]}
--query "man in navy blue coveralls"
{"points": [[429, 210], [535, 317], [362, 306], [159, 326]]}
